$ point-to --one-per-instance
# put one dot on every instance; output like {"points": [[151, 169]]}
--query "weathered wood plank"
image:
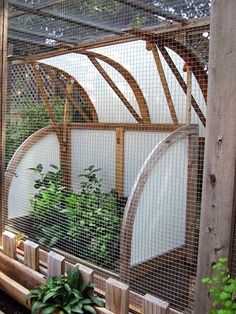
{"points": [[117, 296], [31, 255], [56, 264], [86, 273], [152, 305], [119, 161], [9, 244], [219, 178]]}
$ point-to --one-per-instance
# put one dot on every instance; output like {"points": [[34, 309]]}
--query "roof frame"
{"points": [[142, 7], [63, 17]]}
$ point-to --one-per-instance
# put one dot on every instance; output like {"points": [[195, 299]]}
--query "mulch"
{"points": [[10, 306]]}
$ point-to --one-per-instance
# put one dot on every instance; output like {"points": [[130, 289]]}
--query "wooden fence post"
{"points": [[31, 255], [117, 296], [56, 264], [9, 244], [218, 202], [152, 305], [3, 94]]}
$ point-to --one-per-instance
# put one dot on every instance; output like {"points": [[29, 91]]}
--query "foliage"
{"points": [[222, 289], [68, 294], [90, 220], [26, 120]]}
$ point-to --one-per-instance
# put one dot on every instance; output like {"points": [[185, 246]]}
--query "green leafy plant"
{"points": [[64, 294], [90, 220], [222, 289]]}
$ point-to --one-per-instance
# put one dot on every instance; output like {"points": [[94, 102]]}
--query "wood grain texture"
{"points": [[119, 163], [31, 255], [152, 305], [117, 296], [164, 83], [219, 178], [86, 273], [189, 95], [9, 243], [56, 264], [133, 201]]}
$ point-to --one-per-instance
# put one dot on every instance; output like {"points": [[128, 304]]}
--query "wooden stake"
{"points": [[117, 296], [9, 244]]}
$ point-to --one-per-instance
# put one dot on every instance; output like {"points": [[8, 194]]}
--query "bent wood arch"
{"points": [[134, 198], [142, 103], [81, 89]]}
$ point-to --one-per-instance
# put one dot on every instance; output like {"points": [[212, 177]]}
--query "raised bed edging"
{"points": [[17, 278]]}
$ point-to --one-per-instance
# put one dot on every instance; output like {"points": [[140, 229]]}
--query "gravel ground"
{"points": [[10, 306]]}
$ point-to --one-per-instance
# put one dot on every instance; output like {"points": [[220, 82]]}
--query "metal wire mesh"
{"points": [[106, 136]]}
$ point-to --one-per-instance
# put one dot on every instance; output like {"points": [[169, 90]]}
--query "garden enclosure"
{"points": [[105, 123]]}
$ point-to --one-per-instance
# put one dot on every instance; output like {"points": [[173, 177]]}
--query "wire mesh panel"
{"points": [[106, 120]]}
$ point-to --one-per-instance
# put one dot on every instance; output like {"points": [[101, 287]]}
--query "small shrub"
{"points": [[68, 294], [222, 289]]}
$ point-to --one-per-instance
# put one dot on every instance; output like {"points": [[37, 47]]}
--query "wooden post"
{"points": [[56, 264], [31, 255], [187, 68], [9, 244], [86, 273], [218, 203], [152, 305], [120, 161], [117, 296], [3, 93]]}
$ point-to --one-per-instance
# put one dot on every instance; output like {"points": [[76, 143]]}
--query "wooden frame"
{"points": [[132, 204]]}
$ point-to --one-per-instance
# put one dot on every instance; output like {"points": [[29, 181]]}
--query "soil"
{"points": [[10, 306]]}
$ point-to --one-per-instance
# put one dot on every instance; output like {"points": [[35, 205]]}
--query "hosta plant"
{"points": [[222, 289], [64, 295]]}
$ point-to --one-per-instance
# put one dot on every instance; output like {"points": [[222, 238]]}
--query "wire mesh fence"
{"points": [[105, 136]]}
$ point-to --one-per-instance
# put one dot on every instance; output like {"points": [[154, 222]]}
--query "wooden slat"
{"points": [[181, 82], [117, 296], [152, 305], [13, 288], [9, 244], [86, 273], [66, 118], [56, 264], [164, 82], [115, 89], [20, 273], [31, 255], [189, 95], [119, 161], [219, 178]]}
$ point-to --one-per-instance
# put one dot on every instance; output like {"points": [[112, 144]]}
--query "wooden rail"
{"points": [[16, 279]]}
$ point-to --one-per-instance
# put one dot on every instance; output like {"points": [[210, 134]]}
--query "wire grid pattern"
{"points": [[112, 106]]}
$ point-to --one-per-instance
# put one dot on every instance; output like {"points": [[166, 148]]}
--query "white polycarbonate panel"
{"points": [[161, 214], [93, 147], [138, 146], [46, 152]]}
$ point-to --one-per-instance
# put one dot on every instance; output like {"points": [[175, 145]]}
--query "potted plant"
{"points": [[66, 294]]}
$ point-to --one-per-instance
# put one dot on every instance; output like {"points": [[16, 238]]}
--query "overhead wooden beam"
{"points": [[219, 178], [164, 82], [115, 89], [3, 97], [69, 43], [182, 83], [152, 10], [63, 17]]}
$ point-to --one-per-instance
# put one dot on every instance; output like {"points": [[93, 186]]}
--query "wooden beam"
{"points": [[164, 82], [3, 97], [115, 89], [152, 10], [219, 178], [63, 17], [181, 82], [43, 93], [189, 94], [120, 161]]}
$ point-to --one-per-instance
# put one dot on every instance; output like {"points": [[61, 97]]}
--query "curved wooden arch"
{"points": [[134, 198], [142, 103], [81, 89], [19, 154]]}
